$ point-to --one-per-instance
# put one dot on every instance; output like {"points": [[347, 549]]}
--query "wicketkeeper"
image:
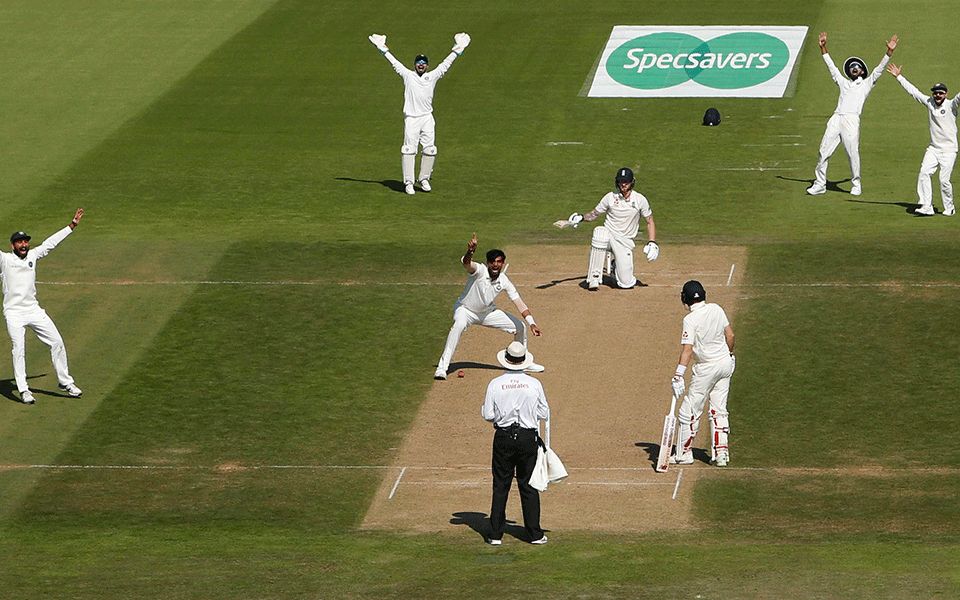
{"points": [[419, 127]]}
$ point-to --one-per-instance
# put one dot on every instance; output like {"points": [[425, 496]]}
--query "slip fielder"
{"points": [[419, 127]]}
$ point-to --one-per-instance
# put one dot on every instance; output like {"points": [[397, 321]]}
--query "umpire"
{"points": [[515, 403]]}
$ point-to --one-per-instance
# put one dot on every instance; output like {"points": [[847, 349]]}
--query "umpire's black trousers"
{"points": [[515, 450]]}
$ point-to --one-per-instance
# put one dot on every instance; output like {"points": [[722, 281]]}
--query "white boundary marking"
{"points": [[399, 477], [676, 488]]}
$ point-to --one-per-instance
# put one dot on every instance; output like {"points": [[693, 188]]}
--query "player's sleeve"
{"points": [[913, 91], [604, 205], [51, 242], [444, 66], [875, 75], [835, 73], [645, 211], [510, 289], [397, 65], [489, 411], [543, 409]]}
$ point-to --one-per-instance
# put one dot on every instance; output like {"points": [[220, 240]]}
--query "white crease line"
{"points": [[399, 477], [564, 143], [730, 278], [676, 488]]}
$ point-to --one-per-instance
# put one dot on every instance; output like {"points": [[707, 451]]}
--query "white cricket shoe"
{"points": [[926, 211], [409, 189], [425, 185], [856, 190], [950, 212], [534, 368], [817, 189], [27, 397], [71, 389], [721, 460], [684, 459], [593, 285], [441, 374], [494, 542], [540, 542]]}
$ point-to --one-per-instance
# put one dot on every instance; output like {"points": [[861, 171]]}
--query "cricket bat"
{"points": [[666, 442]]}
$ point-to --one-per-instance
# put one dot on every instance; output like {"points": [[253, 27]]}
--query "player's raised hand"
{"points": [[76, 217], [462, 41], [472, 244], [894, 69], [823, 39], [892, 45], [380, 41]]}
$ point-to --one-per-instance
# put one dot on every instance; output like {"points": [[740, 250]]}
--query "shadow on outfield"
{"points": [[454, 367], [832, 186], [8, 389], [608, 281], [481, 524], [653, 453], [392, 184]]}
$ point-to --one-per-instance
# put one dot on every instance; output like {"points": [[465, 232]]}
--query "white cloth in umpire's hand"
{"points": [[678, 386], [652, 250], [575, 219], [462, 41], [380, 41]]}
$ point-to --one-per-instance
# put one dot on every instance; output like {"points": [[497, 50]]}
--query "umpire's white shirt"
{"points": [[943, 118], [515, 397], [481, 291], [19, 275], [703, 329], [418, 89], [853, 93], [623, 214]]}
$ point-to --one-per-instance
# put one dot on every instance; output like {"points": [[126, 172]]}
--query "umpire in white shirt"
{"points": [[515, 403]]}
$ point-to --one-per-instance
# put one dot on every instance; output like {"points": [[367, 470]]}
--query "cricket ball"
{"points": [[460, 374]]}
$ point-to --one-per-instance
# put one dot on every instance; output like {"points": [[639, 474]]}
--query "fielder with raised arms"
{"points": [[623, 209], [475, 306], [708, 338], [419, 127], [942, 150], [18, 270], [844, 124]]}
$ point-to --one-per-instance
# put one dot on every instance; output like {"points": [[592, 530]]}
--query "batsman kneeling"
{"points": [[707, 337], [623, 209]]}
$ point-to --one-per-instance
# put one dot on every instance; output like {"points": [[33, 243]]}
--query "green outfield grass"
{"points": [[239, 163]]}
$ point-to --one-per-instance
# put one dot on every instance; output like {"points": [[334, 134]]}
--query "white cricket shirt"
{"points": [[943, 118], [19, 275], [481, 291], [623, 214], [515, 397], [418, 89], [703, 329]]}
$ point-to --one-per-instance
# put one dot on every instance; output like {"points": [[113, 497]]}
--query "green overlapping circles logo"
{"points": [[732, 61]]}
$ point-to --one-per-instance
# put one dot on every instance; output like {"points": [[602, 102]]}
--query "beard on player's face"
{"points": [[20, 248]]}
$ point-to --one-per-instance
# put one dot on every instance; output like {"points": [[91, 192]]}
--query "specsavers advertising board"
{"points": [[708, 62]]}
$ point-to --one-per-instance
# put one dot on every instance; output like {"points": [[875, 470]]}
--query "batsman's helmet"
{"points": [[624, 175], [939, 87], [692, 293], [421, 58], [711, 117], [19, 236], [853, 60]]}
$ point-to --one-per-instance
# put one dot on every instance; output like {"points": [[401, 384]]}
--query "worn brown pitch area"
{"points": [[609, 356]]}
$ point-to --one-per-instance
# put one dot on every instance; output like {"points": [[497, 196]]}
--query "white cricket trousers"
{"points": [[711, 380], [496, 318], [42, 325], [932, 159], [420, 130], [845, 128]]}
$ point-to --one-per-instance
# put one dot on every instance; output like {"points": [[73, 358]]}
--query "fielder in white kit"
{"points": [[475, 306], [942, 150], [708, 338], [419, 127], [844, 125], [18, 272], [623, 209]]}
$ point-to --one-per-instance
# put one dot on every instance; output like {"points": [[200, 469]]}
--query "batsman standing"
{"points": [[475, 306], [18, 271], [844, 125], [942, 150], [515, 403], [419, 127], [623, 208], [707, 337]]}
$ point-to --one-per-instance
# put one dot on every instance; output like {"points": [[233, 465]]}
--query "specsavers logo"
{"points": [[698, 61]]}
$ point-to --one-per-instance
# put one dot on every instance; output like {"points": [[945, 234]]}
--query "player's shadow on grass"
{"points": [[8, 389], [653, 453], [832, 186], [392, 184], [454, 367], [480, 523], [608, 281]]}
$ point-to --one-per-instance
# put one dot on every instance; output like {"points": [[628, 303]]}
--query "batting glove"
{"points": [[380, 41], [462, 41], [575, 219], [678, 386], [652, 250]]}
